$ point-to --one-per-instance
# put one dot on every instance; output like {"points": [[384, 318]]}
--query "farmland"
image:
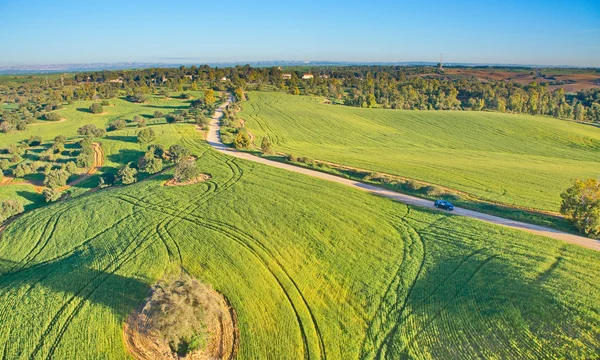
{"points": [[312, 269], [512, 159]]}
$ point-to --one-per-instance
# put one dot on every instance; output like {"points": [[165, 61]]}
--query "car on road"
{"points": [[443, 204]]}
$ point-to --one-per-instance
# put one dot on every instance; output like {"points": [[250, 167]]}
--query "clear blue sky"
{"points": [[526, 32]]}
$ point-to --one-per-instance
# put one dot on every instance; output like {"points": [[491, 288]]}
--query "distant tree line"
{"points": [[390, 87]]}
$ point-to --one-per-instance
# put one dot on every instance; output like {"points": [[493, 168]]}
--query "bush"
{"points": [[10, 208], [174, 118], [412, 185], [71, 167], [127, 175], [186, 170], [145, 136], [292, 158], [242, 141], [581, 205], [60, 139], [158, 114], [142, 123], [178, 153], [51, 194], [91, 130], [52, 116], [152, 165], [4, 164], [158, 150], [138, 97], [21, 170], [105, 103], [84, 161], [35, 141], [265, 146], [15, 158], [118, 124], [306, 160], [96, 108], [56, 178]]}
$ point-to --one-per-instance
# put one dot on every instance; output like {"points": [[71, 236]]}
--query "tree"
{"points": [[186, 170], [60, 139], [158, 150], [118, 124], [10, 208], [91, 130], [52, 117], [51, 194], [145, 136], [84, 161], [96, 108], [239, 94], [265, 146], [242, 140], [71, 167], [4, 164], [173, 118], [209, 96], [152, 165], [581, 204], [158, 114], [127, 174], [21, 170], [56, 178], [35, 141], [178, 153]]}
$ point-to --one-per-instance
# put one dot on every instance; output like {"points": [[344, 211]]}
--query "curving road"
{"points": [[213, 138]]}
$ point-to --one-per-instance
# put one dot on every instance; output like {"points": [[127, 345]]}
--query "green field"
{"points": [[512, 159], [313, 269]]}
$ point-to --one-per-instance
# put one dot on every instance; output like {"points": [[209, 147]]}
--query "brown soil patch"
{"points": [[198, 179], [222, 328]]}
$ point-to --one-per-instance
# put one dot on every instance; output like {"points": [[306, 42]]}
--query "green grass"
{"points": [[511, 159], [312, 269]]}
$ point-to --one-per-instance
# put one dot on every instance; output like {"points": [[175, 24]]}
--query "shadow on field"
{"points": [[74, 276], [480, 303], [129, 139], [84, 110], [125, 156], [34, 197]]}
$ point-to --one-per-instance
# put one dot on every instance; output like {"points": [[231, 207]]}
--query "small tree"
{"points": [[52, 116], [145, 136], [10, 208], [56, 178], [4, 164], [35, 141], [158, 150], [242, 140], [186, 170], [158, 114], [118, 124], [178, 153], [84, 161], [127, 174], [581, 204], [51, 194], [209, 96], [96, 108], [265, 146]]}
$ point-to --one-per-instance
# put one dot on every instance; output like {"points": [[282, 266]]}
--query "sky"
{"points": [[517, 32]]}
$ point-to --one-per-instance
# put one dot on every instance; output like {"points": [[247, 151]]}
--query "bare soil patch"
{"points": [[221, 325]]}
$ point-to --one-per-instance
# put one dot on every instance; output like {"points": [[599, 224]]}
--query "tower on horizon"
{"points": [[441, 64]]}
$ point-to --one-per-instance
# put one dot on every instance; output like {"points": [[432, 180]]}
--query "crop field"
{"points": [[313, 270], [511, 159]]}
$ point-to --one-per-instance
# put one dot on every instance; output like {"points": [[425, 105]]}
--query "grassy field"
{"points": [[511, 159], [313, 270]]}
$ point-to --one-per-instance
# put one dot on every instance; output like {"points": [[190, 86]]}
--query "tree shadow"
{"points": [[482, 303], [129, 139], [35, 199], [167, 106], [75, 276], [125, 156], [84, 110]]}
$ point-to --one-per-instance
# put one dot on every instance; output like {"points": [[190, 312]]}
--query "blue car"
{"points": [[443, 204]]}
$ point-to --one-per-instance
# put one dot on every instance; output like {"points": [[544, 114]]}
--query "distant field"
{"points": [[512, 159], [313, 270]]}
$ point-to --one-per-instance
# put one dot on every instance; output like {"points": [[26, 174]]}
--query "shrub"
{"points": [[96, 108], [35, 141], [71, 167], [581, 205], [118, 124], [61, 139], [292, 158], [152, 165], [10, 208], [242, 141], [51, 194], [145, 136], [158, 114], [127, 174], [265, 146], [4, 164], [15, 158], [91, 130], [52, 116], [158, 150], [186, 170], [84, 160], [56, 178], [21, 170], [412, 185], [105, 103], [178, 153], [107, 179], [174, 118]]}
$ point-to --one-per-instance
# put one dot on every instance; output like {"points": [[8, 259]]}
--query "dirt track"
{"points": [[213, 138]]}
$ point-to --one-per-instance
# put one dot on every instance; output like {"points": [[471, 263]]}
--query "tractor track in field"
{"points": [[244, 239], [103, 276], [213, 139]]}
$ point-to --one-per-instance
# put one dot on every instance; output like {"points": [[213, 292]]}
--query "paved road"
{"points": [[214, 140]]}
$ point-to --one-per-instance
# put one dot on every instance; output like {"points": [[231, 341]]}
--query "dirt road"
{"points": [[213, 138]]}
